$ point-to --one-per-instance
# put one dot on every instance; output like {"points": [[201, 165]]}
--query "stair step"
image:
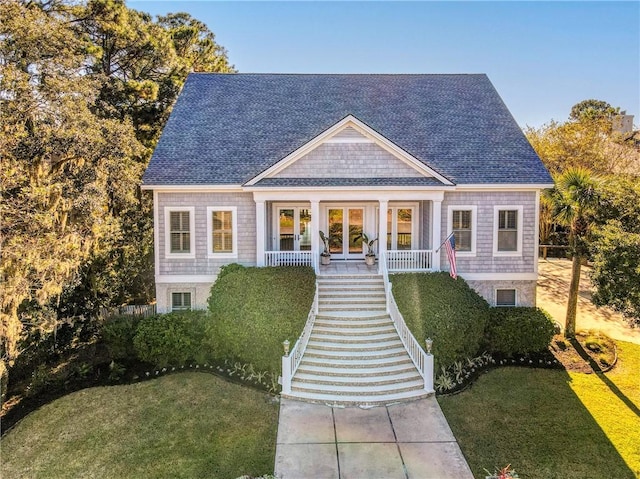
{"points": [[359, 381], [356, 362], [339, 309], [336, 329], [358, 315], [363, 400], [352, 390], [355, 347], [351, 301], [330, 369], [345, 336], [331, 354]]}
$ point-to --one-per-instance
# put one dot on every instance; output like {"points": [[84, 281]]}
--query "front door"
{"points": [[294, 228], [345, 226]]}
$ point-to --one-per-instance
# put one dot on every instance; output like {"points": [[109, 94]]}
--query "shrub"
{"points": [[446, 310], [253, 310], [518, 330], [170, 339], [118, 334]]}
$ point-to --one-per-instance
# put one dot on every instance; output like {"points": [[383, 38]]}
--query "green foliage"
{"points": [[520, 330], [446, 310], [589, 110], [170, 339], [118, 334], [230, 268], [253, 310], [616, 270], [86, 89]]}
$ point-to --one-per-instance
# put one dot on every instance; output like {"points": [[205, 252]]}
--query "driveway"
{"points": [[553, 290]]}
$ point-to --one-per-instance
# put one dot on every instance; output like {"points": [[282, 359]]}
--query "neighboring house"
{"points": [[250, 167]]}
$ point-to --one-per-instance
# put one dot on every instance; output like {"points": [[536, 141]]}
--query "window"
{"points": [[180, 301], [507, 239], [505, 297], [402, 227], [222, 232], [179, 232], [462, 223]]}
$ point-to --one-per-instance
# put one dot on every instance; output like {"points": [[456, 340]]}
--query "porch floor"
{"points": [[348, 267]]}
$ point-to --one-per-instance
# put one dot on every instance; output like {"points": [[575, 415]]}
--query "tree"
{"points": [[615, 248], [574, 199], [593, 110], [60, 161]]}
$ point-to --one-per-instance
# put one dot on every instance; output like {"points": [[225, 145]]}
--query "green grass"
{"points": [[188, 425], [253, 310], [550, 423]]}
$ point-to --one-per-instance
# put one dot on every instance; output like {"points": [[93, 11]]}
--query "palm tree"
{"points": [[573, 201]]}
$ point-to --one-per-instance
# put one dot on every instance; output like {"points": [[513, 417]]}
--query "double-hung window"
{"points": [[507, 231], [179, 232], [462, 223], [222, 232]]}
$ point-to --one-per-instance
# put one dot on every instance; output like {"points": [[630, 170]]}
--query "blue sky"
{"points": [[542, 57]]}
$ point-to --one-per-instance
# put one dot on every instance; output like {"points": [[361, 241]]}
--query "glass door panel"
{"points": [[336, 229], [404, 228], [356, 217], [304, 226], [286, 225]]}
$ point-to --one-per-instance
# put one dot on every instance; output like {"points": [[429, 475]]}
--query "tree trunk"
{"points": [[572, 304]]}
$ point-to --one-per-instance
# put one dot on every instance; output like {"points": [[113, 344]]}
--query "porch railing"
{"points": [[291, 258], [409, 260], [291, 361], [423, 361]]}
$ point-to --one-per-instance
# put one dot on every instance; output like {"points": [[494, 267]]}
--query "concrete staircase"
{"points": [[354, 354]]}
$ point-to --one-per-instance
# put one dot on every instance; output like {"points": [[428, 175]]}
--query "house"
{"points": [[251, 167]]}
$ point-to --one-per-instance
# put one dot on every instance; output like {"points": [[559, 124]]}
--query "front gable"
{"points": [[349, 149]]}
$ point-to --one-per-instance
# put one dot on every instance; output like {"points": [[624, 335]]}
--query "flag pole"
{"points": [[445, 240]]}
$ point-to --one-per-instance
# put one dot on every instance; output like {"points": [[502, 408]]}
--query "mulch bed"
{"points": [[589, 352]]}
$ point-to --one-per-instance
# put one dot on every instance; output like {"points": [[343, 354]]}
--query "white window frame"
{"points": [[415, 223], [496, 214], [167, 232], [515, 298], [234, 227], [474, 226], [191, 300]]}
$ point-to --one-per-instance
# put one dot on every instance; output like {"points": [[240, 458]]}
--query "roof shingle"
{"points": [[227, 128]]}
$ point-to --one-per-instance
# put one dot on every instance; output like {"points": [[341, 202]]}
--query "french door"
{"points": [[294, 228], [345, 226]]}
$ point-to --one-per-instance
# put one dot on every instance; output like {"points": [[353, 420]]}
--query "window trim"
{"points": [[189, 308], [474, 226], [167, 232], [234, 230], [515, 298], [496, 222]]}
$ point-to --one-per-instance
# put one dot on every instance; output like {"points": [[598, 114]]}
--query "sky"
{"points": [[542, 57]]}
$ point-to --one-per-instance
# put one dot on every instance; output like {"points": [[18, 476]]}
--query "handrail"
{"points": [[409, 260], [423, 361], [291, 258], [291, 361]]}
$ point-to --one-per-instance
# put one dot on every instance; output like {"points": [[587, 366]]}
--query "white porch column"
{"points": [[261, 225], [315, 232], [436, 224], [382, 228]]}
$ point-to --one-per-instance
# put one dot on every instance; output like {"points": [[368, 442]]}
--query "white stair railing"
{"points": [[291, 361], [423, 361]]}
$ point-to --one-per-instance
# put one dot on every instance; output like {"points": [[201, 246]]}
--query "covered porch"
{"points": [[288, 226]]}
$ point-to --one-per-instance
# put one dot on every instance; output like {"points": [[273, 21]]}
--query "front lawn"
{"points": [[188, 425], [550, 423]]}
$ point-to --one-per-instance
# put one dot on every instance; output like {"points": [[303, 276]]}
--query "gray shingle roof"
{"points": [[228, 128], [400, 181]]}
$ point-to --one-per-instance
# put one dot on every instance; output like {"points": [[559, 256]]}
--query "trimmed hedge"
{"points": [[518, 330], [446, 310], [171, 339], [253, 310]]}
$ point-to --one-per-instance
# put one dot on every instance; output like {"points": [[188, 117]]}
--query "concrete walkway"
{"points": [[403, 441]]}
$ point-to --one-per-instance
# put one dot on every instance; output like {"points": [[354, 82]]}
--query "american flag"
{"points": [[450, 244]]}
